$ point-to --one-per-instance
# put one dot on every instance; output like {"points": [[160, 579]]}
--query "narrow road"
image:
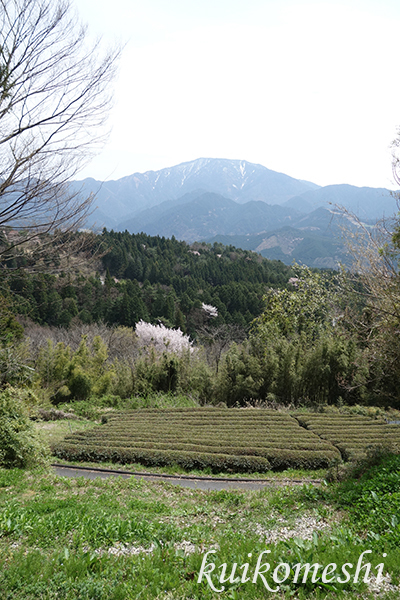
{"points": [[198, 483]]}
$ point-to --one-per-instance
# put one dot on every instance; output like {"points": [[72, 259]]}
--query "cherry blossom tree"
{"points": [[163, 339]]}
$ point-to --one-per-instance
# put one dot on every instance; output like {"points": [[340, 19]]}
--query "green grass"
{"points": [[55, 431], [56, 533]]}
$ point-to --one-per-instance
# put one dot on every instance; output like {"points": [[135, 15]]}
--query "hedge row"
{"points": [[187, 460], [209, 424], [274, 459], [267, 451], [215, 440], [336, 420], [203, 421], [197, 445], [212, 410], [361, 430], [353, 436], [211, 431], [362, 436], [356, 452]]}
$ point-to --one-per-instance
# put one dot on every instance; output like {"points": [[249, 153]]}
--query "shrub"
{"points": [[79, 384], [353, 435], [20, 445], [187, 460], [14, 355]]}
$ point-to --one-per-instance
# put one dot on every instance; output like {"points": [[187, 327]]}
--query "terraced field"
{"points": [[352, 435], [234, 440]]}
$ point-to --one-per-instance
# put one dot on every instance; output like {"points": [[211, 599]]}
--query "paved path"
{"points": [[199, 483]]}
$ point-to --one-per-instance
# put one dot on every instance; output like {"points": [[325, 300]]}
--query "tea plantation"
{"points": [[235, 440], [353, 435]]}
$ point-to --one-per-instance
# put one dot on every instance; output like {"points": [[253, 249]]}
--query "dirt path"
{"points": [[199, 483]]}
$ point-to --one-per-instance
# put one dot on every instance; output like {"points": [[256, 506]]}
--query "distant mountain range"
{"points": [[239, 203]]}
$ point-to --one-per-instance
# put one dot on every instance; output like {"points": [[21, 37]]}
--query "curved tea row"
{"points": [[234, 440]]}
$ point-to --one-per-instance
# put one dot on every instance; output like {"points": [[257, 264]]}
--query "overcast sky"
{"points": [[310, 89]]}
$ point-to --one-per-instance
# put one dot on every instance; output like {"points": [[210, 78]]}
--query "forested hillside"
{"points": [[258, 330], [150, 278]]}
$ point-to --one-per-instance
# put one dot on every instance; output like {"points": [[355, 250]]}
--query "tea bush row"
{"points": [[277, 459], [150, 438], [214, 437], [187, 460], [241, 447], [353, 436], [191, 447]]}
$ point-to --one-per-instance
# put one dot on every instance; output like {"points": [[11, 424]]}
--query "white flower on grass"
{"points": [[162, 338], [212, 311]]}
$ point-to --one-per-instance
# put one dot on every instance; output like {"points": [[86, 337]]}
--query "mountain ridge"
{"points": [[238, 180], [208, 197]]}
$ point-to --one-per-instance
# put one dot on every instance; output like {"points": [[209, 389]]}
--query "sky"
{"points": [[310, 89]]}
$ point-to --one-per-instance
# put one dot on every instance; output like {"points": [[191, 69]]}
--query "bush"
{"points": [[14, 356], [80, 384], [353, 435], [86, 409], [20, 445], [187, 460]]}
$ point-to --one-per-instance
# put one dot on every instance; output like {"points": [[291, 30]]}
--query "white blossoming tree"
{"points": [[211, 311], [163, 339]]}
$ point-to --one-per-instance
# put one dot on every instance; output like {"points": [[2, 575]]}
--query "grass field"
{"points": [[55, 431], [115, 539]]}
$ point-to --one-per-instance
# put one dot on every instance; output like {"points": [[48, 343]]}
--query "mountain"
{"points": [[288, 244], [316, 239], [236, 180], [247, 204], [276, 232], [118, 202], [367, 203], [199, 215]]}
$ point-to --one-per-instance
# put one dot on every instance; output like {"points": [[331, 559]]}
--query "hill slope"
{"points": [[199, 215], [365, 202]]}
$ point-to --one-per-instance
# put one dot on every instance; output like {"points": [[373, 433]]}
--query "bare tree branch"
{"points": [[55, 95]]}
